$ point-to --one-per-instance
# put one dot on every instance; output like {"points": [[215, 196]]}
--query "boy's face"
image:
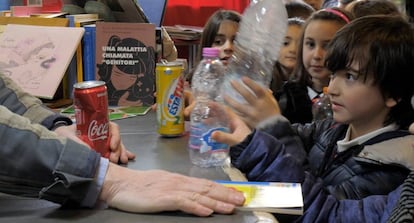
{"points": [[317, 36], [357, 102], [225, 38], [288, 51]]}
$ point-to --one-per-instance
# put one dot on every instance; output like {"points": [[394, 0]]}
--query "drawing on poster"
{"points": [[35, 58]]}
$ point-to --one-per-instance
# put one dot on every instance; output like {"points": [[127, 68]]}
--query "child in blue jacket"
{"points": [[365, 150]]}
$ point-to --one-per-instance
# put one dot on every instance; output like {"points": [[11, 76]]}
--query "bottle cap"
{"points": [[325, 90], [210, 52]]}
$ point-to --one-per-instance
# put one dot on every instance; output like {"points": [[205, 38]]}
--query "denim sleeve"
{"points": [[35, 162]]}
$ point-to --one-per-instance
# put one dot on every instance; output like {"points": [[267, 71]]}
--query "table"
{"points": [[153, 152]]}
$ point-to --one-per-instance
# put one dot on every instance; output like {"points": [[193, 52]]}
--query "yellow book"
{"points": [[37, 21], [79, 59], [274, 197]]}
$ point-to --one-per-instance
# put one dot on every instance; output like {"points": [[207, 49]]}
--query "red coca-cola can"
{"points": [[90, 100]]}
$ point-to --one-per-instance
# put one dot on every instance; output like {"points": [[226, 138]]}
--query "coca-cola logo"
{"points": [[97, 132]]}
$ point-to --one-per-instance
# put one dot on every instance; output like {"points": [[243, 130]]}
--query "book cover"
{"points": [[274, 197], [46, 5], [25, 11], [36, 7], [125, 60], [35, 58]]}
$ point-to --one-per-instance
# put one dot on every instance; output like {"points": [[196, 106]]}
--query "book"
{"points": [[37, 21], [79, 20], [89, 50], [76, 67], [125, 60], [184, 32], [36, 7], [35, 58], [274, 197], [25, 11], [49, 15], [48, 6]]}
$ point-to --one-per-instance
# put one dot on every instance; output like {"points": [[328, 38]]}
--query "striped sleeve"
{"points": [[404, 210]]}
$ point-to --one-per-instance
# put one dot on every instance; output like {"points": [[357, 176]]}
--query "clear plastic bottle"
{"points": [[261, 32], [321, 108], [207, 115]]}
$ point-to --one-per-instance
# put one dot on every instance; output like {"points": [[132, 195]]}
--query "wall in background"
{"points": [[196, 12]]}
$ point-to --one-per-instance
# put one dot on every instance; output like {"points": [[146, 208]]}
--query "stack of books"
{"points": [[184, 32]]}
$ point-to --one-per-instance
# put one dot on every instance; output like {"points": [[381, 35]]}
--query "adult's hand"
{"points": [[118, 151], [155, 191], [69, 131]]}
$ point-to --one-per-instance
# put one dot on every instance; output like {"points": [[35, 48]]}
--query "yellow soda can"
{"points": [[170, 99]]}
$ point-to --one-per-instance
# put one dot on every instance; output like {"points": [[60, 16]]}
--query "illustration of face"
{"points": [[288, 51], [225, 38], [121, 80], [317, 36], [44, 57], [44, 52]]}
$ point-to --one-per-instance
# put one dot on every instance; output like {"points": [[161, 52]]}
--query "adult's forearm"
{"points": [[35, 162], [19, 102]]}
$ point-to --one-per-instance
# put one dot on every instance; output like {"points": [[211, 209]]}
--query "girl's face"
{"points": [[317, 35], [357, 103], [288, 51], [121, 80], [224, 39], [316, 4]]}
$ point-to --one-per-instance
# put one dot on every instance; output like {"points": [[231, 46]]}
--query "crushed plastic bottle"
{"points": [[321, 108], [257, 44]]}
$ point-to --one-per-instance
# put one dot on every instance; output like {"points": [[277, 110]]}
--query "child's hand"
{"points": [[188, 104], [239, 130], [260, 102]]}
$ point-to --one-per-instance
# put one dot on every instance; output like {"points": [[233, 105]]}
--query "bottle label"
{"points": [[201, 140], [173, 97], [207, 143]]}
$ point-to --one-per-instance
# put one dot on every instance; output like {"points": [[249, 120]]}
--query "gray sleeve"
{"points": [[35, 162], [24, 104]]}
